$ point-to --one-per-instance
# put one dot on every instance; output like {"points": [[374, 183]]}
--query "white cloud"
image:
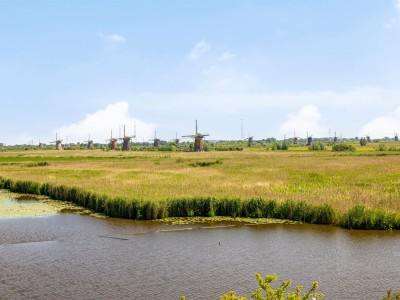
{"points": [[226, 56], [306, 120], [199, 49], [112, 38], [390, 23], [100, 123], [397, 5], [383, 126]]}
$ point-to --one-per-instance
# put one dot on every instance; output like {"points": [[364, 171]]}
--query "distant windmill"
{"points": [[156, 141], [335, 138], [176, 140], [112, 142], [58, 143], [295, 138], [126, 141], [309, 140], [396, 137], [89, 143], [249, 141], [198, 140], [41, 145], [368, 138]]}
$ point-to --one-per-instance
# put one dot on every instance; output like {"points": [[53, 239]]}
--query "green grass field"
{"points": [[366, 177]]}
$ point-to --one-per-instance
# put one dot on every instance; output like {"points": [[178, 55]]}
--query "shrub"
{"points": [[206, 163], [343, 147], [39, 164], [266, 292], [392, 295], [382, 147], [317, 147], [280, 146]]}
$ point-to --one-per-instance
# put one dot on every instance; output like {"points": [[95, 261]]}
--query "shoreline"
{"points": [[358, 217]]}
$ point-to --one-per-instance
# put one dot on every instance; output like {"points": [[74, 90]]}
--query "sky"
{"points": [[279, 67]]}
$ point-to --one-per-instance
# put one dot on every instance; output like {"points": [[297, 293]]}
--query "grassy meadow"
{"points": [[341, 180]]}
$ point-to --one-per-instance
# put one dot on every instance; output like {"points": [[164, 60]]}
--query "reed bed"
{"points": [[321, 187]]}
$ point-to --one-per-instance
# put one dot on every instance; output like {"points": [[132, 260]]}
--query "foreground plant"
{"points": [[392, 295], [266, 292]]}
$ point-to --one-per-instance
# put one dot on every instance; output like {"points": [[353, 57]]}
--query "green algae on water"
{"points": [[15, 205]]}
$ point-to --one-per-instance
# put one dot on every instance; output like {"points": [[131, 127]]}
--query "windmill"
{"points": [[58, 143], [112, 142], [41, 145], [176, 140], [156, 141], [368, 138], [249, 140], [126, 141], [295, 138], [396, 137], [309, 140], [89, 143], [335, 138], [198, 140]]}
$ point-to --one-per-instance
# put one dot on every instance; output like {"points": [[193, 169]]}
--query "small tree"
{"points": [[363, 141]]}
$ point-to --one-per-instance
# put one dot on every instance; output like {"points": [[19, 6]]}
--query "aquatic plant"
{"points": [[361, 217]]}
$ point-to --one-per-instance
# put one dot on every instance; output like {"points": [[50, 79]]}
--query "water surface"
{"points": [[66, 256]]}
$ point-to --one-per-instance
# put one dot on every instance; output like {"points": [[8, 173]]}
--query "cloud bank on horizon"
{"points": [[383, 126], [100, 124]]}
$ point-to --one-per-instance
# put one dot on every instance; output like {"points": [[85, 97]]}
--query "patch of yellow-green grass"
{"points": [[317, 177]]}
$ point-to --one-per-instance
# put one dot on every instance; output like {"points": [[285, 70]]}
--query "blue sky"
{"points": [[87, 67]]}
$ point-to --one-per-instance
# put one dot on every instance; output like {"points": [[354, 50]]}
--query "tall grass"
{"points": [[361, 217], [358, 217], [321, 185]]}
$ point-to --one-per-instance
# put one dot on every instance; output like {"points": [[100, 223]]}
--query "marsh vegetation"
{"points": [[355, 189]]}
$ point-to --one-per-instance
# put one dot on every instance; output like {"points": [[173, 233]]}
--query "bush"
{"points": [[206, 163], [280, 146], [343, 147], [266, 292], [317, 147], [382, 147]]}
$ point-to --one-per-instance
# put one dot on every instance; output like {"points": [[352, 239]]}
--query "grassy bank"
{"points": [[356, 190]]}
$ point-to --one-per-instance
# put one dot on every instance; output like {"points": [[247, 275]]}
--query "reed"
{"points": [[190, 207], [361, 217], [301, 185]]}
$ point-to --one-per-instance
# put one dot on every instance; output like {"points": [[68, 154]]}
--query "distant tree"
{"points": [[363, 141]]}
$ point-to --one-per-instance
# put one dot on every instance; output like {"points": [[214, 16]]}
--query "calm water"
{"points": [[71, 256]]}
